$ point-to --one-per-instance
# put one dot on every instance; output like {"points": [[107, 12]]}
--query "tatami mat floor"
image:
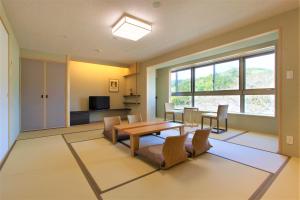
{"points": [[206, 177], [58, 131], [83, 136], [287, 184], [267, 142], [81, 164], [43, 168], [109, 164], [256, 158]]}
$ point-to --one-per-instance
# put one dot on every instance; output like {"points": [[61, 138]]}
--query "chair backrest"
{"points": [[169, 107], [189, 114], [222, 112], [174, 150], [200, 141], [134, 118], [109, 122]]}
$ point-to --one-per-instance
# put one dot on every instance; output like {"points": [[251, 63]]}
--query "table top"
{"points": [[136, 124], [152, 128]]}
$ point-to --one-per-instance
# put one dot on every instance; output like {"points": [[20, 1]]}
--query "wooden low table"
{"points": [[123, 127], [135, 133]]}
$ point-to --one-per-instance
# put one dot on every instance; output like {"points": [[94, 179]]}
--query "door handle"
{"points": [[42, 96], [47, 96]]}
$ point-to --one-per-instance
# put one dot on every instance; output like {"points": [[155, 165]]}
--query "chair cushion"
{"points": [[122, 136], [108, 134], [212, 115], [153, 153], [189, 146], [191, 150]]}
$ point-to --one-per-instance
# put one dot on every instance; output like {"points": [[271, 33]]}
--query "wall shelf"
{"points": [[132, 103], [132, 74], [134, 95]]}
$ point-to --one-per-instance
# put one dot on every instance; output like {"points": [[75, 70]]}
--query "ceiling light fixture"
{"points": [[131, 28]]}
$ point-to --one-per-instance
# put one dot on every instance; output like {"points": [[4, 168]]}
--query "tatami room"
{"points": [[149, 99]]}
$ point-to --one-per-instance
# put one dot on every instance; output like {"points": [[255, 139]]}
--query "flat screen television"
{"points": [[99, 102]]}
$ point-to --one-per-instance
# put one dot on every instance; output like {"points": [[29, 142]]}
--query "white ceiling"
{"points": [[80, 27]]}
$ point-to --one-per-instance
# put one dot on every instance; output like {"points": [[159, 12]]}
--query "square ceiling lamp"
{"points": [[130, 28]]}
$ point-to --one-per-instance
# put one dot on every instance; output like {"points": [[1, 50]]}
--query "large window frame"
{"points": [[241, 91]]}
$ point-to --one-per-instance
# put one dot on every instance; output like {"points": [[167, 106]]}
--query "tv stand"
{"points": [[86, 117]]}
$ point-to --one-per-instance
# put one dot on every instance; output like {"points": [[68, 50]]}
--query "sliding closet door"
{"points": [[55, 89], [3, 91], [32, 117]]}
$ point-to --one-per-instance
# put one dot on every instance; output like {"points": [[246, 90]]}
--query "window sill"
{"points": [[246, 114]]}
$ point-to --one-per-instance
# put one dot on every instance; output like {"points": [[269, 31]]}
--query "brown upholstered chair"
{"points": [[199, 143], [170, 109], [221, 114], [134, 118], [168, 154], [109, 122]]}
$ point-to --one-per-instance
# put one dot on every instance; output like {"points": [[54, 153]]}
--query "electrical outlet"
{"points": [[289, 74], [289, 139]]}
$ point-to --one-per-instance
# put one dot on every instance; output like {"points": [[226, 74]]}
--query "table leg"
{"points": [[181, 130], [114, 136], [134, 144]]}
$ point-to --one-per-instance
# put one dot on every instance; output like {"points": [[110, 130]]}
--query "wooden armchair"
{"points": [[222, 114], [189, 116], [170, 109]]}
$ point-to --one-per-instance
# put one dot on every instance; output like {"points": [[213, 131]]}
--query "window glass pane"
{"points": [[227, 75], [210, 103], [181, 101], [184, 80], [260, 71], [173, 82], [260, 104], [204, 78]]}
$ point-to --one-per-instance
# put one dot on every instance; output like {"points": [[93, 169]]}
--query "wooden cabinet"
{"points": [[42, 94]]}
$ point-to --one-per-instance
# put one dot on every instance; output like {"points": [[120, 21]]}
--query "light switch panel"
{"points": [[289, 74], [289, 139]]}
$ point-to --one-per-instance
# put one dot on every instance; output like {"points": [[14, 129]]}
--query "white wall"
{"points": [[13, 81], [151, 93], [3, 91]]}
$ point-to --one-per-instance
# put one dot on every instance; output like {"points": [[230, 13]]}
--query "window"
{"points": [[260, 104], [259, 79], [221, 76], [204, 78], [210, 103], [173, 82], [207, 86], [181, 81], [181, 101], [227, 75], [260, 71]]}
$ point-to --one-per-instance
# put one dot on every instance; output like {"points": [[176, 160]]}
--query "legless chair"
{"points": [[222, 114], [170, 109], [109, 122], [134, 118], [168, 154], [199, 144]]}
